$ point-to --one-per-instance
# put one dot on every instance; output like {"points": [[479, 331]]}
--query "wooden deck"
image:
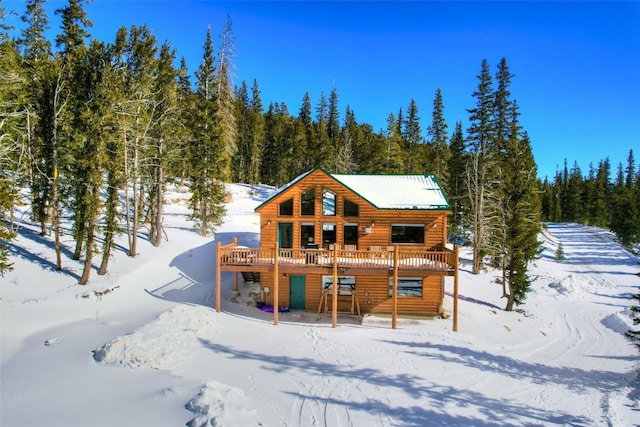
{"points": [[297, 261], [393, 261]]}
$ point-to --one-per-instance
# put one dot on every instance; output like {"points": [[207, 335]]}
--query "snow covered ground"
{"points": [[142, 345]]}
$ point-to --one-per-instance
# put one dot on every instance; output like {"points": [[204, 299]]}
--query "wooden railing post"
{"points": [[394, 293], [334, 309]]}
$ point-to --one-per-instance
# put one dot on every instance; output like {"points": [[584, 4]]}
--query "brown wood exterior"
{"points": [[361, 250]]}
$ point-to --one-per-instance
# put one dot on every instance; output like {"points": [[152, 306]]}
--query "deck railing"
{"points": [[407, 258]]}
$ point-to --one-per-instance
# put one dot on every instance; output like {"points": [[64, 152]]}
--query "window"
{"points": [[407, 287], [350, 208], [308, 202], [407, 233], [350, 234], [307, 235], [346, 284], [328, 203], [286, 208], [328, 235]]}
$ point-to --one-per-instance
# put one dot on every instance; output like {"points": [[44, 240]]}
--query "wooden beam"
{"points": [[218, 277], [455, 289], [394, 293], [275, 285], [334, 308]]}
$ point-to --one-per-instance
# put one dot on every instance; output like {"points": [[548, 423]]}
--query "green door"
{"points": [[296, 286], [285, 235]]}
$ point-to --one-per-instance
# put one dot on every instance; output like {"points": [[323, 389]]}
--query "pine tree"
{"points": [[438, 153], [13, 131], [208, 149], [165, 133], [502, 106], [186, 101], [522, 212], [250, 133], [333, 130], [256, 128], [225, 120], [572, 209], [599, 214], [241, 158], [624, 215], [306, 143], [115, 146], [135, 112], [66, 97], [456, 187], [274, 146], [36, 56], [481, 164], [345, 159], [414, 142], [74, 27], [320, 148], [393, 161], [89, 166]]}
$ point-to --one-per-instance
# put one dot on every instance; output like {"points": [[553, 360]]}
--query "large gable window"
{"points": [[407, 233], [350, 208], [286, 208], [328, 203], [308, 202]]}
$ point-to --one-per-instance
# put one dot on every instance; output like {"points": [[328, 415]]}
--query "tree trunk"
{"points": [[86, 271], [106, 253], [77, 253], [56, 228], [510, 300]]}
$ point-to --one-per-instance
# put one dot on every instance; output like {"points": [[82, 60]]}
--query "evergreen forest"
{"points": [[95, 130]]}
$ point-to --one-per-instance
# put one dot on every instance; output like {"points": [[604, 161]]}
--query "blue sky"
{"points": [[576, 64]]}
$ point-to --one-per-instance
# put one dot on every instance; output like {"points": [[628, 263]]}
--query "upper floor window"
{"points": [[328, 203], [407, 233], [286, 208], [308, 202], [350, 208]]}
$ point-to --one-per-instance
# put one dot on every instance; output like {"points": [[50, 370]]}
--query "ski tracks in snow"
{"points": [[341, 394], [599, 272]]}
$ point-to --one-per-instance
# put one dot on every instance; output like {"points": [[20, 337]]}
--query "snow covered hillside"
{"points": [[142, 345]]}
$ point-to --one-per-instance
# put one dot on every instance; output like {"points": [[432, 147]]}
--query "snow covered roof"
{"points": [[397, 191], [388, 191]]}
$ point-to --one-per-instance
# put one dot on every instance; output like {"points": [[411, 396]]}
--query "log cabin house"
{"points": [[350, 243]]}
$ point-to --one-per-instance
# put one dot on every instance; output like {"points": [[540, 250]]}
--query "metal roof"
{"points": [[397, 191], [387, 191]]}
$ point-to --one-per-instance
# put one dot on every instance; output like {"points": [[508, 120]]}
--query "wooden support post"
{"points": [[218, 277], [275, 285], [334, 309], [456, 255], [235, 283], [394, 297]]}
